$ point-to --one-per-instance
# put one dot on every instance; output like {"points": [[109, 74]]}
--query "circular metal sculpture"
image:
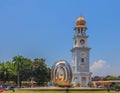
{"points": [[61, 73]]}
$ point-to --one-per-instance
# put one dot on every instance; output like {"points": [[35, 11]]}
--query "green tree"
{"points": [[18, 60], [10, 66], [117, 86], [40, 71], [6, 71], [25, 72], [48, 74], [23, 67], [110, 78]]}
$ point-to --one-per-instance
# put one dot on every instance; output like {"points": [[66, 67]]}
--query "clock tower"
{"points": [[80, 55]]}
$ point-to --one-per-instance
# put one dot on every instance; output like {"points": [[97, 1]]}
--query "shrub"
{"points": [[117, 86], [78, 85], [90, 84]]}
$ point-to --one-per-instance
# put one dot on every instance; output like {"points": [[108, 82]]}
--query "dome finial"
{"points": [[80, 21], [80, 14]]}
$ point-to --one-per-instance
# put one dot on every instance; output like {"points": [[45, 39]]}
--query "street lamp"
{"points": [[32, 78]]}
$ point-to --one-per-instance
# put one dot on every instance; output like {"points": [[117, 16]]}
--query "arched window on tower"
{"points": [[75, 78], [82, 32], [78, 30], [82, 60], [75, 42]]}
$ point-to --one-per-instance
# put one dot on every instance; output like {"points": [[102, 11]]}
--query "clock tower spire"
{"points": [[80, 54]]}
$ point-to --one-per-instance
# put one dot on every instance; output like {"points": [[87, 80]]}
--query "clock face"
{"points": [[82, 41]]}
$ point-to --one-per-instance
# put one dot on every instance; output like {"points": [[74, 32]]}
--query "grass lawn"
{"points": [[20, 91]]}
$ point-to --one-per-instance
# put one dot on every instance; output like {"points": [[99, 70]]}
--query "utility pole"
{"points": [[18, 76]]}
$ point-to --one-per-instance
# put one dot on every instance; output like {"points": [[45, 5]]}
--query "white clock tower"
{"points": [[80, 55]]}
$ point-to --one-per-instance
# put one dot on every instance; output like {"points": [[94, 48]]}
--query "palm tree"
{"points": [[5, 71], [10, 66], [17, 60]]}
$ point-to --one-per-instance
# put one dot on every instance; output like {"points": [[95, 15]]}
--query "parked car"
{"points": [[1, 90], [9, 88]]}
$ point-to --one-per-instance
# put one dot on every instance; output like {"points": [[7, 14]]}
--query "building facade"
{"points": [[80, 55]]}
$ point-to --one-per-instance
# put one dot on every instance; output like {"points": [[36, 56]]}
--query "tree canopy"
{"points": [[24, 69]]}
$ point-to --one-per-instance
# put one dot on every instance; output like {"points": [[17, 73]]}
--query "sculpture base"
{"points": [[65, 85]]}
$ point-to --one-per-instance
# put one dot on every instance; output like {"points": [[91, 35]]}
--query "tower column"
{"points": [[80, 54]]}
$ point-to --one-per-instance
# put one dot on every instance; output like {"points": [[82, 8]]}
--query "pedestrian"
{"points": [[108, 89]]}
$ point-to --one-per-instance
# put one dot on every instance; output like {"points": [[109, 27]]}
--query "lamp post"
{"points": [[49, 76], [49, 73], [18, 73], [18, 76], [32, 78]]}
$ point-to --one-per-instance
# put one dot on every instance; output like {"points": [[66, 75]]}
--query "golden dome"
{"points": [[80, 21]]}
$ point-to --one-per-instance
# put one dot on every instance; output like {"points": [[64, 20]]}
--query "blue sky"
{"points": [[45, 28]]}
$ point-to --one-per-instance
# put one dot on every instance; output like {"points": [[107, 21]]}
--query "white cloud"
{"points": [[98, 65], [102, 68]]}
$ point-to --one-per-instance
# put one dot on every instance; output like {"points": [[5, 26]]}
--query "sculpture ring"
{"points": [[61, 73]]}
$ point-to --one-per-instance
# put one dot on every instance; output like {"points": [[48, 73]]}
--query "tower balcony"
{"points": [[80, 48], [80, 36]]}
